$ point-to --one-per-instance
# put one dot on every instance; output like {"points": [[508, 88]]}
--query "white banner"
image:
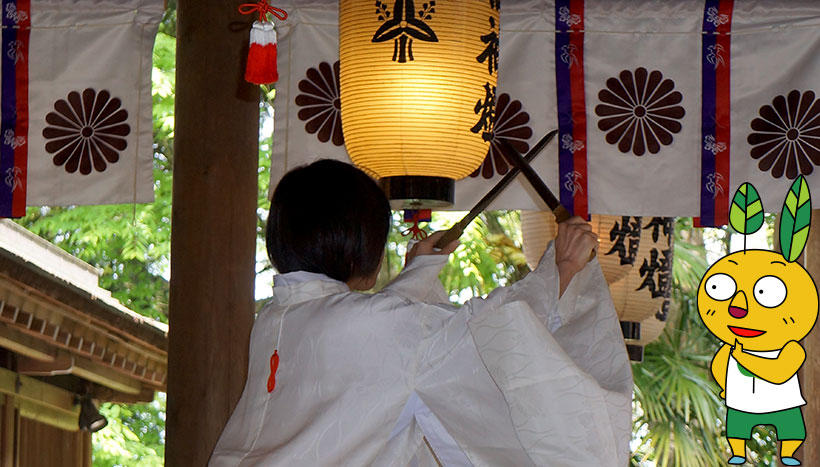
{"points": [[86, 67], [775, 90], [642, 128]]}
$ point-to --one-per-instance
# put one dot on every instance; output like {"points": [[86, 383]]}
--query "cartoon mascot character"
{"points": [[760, 303]]}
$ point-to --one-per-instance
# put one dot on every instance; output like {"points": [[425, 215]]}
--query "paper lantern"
{"points": [[418, 87], [651, 329], [645, 288]]}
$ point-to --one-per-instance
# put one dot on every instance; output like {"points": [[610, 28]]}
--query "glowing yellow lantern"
{"points": [[418, 86]]}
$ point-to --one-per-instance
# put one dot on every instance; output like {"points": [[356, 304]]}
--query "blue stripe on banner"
{"points": [[559, 4], [707, 199], [710, 6], [564, 98], [8, 114], [565, 123]]}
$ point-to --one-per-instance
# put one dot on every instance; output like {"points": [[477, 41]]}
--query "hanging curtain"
{"points": [[664, 107], [76, 102]]}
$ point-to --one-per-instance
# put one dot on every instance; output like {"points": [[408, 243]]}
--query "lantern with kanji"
{"points": [[418, 84]]}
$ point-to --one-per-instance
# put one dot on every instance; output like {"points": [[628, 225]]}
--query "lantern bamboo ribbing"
{"points": [[418, 87]]}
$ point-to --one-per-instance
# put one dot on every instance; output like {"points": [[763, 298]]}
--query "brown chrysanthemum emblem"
{"points": [[86, 130], [510, 125], [320, 103], [639, 111], [786, 136]]}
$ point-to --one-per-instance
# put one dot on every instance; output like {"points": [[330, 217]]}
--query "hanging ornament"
{"points": [[415, 216], [261, 67]]}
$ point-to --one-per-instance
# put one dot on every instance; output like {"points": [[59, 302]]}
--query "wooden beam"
{"points": [[68, 421], [809, 374], [213, 236], [25, 345], [40, 401], [35, 367], [86, 449], [104, 394], [92, 371], [15, 270], [35, 359]]}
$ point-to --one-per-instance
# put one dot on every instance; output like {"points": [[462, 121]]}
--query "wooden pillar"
{"points": [[9, 433], [86, 449], [213, 227], [810, 372]]}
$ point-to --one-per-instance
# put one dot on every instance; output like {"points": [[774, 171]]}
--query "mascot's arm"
{"points": [[719, 364], [774, 370]]}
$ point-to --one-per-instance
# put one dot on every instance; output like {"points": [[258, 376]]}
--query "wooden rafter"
{"points": [[47, 322]]}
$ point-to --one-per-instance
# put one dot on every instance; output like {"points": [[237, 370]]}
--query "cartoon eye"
{"points": [[720, 287], [770, 291]]}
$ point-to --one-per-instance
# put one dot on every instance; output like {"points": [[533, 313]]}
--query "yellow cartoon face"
{"points": [[758, 298]]}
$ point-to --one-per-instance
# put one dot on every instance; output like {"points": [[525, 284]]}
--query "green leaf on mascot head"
{"points": [[795, 220], [746, 213]]}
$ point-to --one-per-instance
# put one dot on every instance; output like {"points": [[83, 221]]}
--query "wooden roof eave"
{"points": [[86, 305]]}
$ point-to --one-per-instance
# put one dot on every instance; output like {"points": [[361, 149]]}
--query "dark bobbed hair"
{"points": [[330, 218]]}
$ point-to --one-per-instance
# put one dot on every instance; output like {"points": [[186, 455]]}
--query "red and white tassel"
{"points": [[261, 67]]}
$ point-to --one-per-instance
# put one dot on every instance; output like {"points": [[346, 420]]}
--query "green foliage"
{"points": [[746, 213], [677, 411], [263, 176], [489, 256], [678, 415], [795, 220], [677, 405], [133, 435], [688, 266]]}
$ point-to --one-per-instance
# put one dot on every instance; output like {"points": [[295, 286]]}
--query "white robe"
{"points": [[518, 378]]}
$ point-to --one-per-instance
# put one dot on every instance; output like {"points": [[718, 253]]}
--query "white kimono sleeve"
{"points": [[524, 378], [419, 280]]}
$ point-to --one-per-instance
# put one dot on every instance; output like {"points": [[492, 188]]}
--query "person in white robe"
{"points": [[536, 373]]}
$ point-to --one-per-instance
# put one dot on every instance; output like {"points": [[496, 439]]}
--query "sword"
{"points": [[561, 213]]}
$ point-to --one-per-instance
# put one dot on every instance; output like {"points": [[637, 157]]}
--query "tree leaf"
{"points": [[746, 213], [795, 220]]}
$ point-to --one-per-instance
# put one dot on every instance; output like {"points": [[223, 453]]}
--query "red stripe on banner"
{"points": [[579, 112], [576, 7], [579, 126], [726, 7], [723, 107], [21, 124]]}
